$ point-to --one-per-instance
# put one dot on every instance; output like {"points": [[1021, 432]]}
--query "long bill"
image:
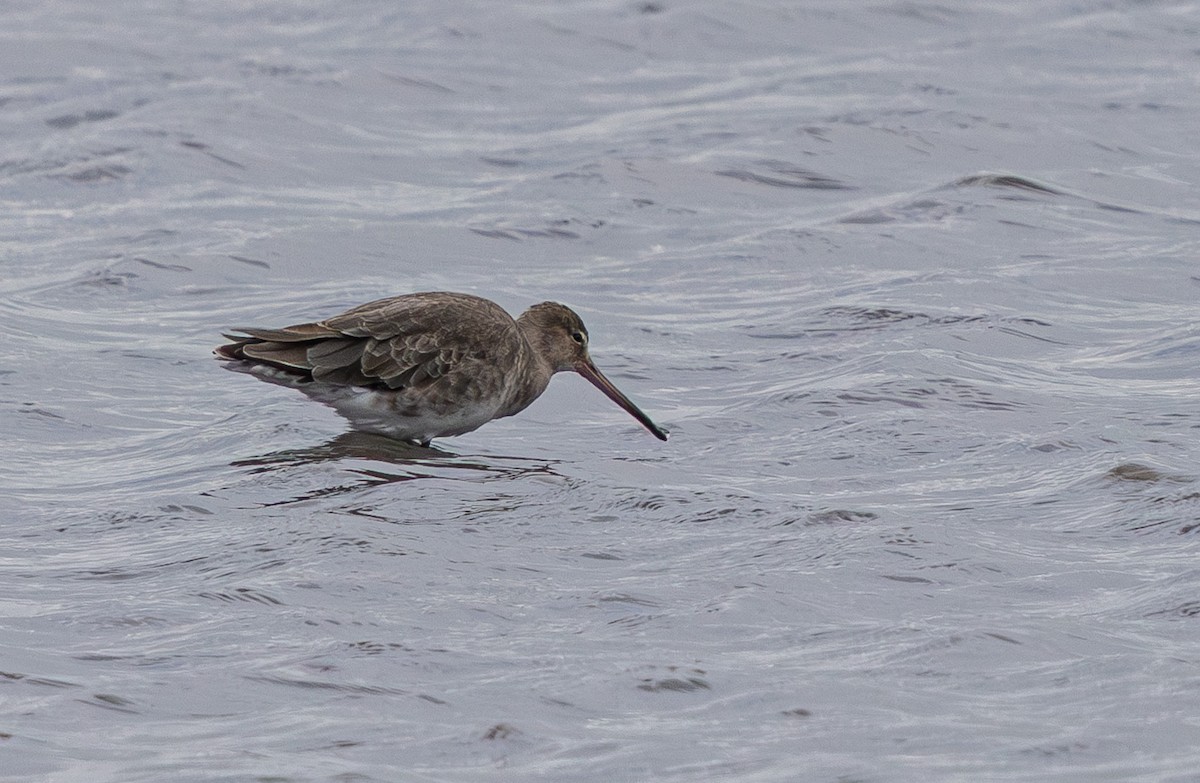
{"points": [[589, 371]]}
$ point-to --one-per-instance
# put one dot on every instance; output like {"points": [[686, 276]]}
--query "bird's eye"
{"points": [[578, 337]]}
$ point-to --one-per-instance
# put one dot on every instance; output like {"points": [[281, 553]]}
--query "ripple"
{"points": [[784, 175]]}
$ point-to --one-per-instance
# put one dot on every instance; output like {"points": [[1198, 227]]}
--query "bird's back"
{"points": [[413, 366]]}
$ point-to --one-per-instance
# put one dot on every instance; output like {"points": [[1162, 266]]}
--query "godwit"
{"points": [[428, 365]]}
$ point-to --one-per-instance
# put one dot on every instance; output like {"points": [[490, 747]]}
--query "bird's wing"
{"points": [[402, 342]]}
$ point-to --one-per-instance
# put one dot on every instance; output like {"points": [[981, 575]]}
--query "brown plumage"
{"points": [[426, 365]]}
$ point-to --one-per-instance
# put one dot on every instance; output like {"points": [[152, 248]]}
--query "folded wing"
{"points": [[402, 342]]}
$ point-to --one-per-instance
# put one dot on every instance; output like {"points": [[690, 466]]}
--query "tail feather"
{"points": [[291, 357]]}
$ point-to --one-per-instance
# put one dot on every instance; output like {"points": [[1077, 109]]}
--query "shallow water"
{"points": [[912, 285]]}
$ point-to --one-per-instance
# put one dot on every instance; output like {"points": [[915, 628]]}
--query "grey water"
{"points": [[913, 285]]}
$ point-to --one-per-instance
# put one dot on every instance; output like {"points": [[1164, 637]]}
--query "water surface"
{"points": [[912, 285]]}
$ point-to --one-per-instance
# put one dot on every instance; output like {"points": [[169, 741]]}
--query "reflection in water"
{"points": [[406, 461], [350, 445]]}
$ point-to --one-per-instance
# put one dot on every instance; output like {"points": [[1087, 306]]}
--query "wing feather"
{"points": [[408, 341]]}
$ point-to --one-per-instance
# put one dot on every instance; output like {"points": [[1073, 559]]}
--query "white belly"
{"points": [[380, 412], [389, 413]]}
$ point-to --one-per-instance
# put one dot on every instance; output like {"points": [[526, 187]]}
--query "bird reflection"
{"points": [[396, 461], [350, 445]]}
